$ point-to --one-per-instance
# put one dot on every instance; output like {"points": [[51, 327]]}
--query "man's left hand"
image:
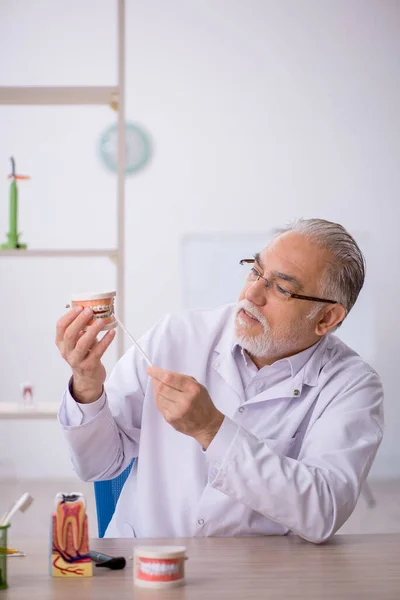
{"points": [[186, 405]]}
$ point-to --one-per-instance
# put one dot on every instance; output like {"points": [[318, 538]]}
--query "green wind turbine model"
{"points": [[13, 235]]}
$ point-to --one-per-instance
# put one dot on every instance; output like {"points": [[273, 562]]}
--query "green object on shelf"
{"points": [[3, 556], [13, 235]]}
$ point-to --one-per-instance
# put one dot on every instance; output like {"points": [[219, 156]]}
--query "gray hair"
{"points": [[344, 275]]}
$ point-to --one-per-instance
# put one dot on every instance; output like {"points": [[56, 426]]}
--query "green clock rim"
{"points": [[111, 166]]}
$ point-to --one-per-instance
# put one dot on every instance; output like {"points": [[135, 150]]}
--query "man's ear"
{"points": [[332, 316]]}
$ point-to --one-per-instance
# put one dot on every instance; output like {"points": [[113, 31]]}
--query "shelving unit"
{"points": [[44, 96], [12, 410], [98, 252], [113, 96]]}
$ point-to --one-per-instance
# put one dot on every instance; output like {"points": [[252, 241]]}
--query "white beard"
{"points": [[263, 345]]}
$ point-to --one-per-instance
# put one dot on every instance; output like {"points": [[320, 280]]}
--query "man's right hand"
{"points": [[83, 352]]}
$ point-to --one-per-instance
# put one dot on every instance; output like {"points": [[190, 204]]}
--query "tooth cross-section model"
{"points": [[69, 538]]}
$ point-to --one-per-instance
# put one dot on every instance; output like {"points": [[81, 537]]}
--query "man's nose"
{"points": [[255, 292]]}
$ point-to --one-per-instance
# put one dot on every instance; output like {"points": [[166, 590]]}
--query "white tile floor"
{"points": [[383, 518]]}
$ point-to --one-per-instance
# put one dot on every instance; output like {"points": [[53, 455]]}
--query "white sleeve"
{"points": [[75, 413], [314, 494]]}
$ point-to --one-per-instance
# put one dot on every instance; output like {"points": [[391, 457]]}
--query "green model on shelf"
{"points": [[13, 235]]}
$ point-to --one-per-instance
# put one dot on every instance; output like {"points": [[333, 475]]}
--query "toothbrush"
{"points": [[22, 504]]}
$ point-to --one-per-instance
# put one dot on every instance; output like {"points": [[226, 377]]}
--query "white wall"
{"points": [[261, 111]]}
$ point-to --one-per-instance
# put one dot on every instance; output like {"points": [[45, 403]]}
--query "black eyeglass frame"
{"points": [[290, 294]]}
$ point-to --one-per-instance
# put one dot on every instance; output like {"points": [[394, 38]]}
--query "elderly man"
{"points": [[254, 420]]}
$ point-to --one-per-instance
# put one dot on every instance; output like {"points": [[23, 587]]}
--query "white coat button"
{"points": [[201, 521], [296, 392], [258, 385], [241, 409]]}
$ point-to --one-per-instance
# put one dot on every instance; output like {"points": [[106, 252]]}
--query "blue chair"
{"points": [[107, 494]]}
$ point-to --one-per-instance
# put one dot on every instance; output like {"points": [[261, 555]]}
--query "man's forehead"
{"points": [[294, 253]]}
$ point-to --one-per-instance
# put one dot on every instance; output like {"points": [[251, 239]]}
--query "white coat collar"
{"points": [[224, 363]]}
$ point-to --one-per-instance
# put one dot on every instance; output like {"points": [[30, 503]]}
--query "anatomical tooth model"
{"points": [[69, 538]]}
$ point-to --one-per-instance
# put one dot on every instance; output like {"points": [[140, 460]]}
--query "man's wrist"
{"points": [[205, 437], [85, 392]]}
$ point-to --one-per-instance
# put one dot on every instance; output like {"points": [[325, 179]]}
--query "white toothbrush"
{"points": [[22, 504]]}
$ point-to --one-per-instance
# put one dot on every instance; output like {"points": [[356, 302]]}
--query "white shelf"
{"points": [[26, 95], [24, 253], [44, 410]]}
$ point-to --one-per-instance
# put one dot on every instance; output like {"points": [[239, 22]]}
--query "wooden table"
{"points": [[348, 567]]}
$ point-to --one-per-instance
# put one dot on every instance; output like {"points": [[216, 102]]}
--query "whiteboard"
{"points": [[211, 276]]}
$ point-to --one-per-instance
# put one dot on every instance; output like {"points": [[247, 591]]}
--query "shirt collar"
{"points": [[299, 360], [295, 363], [306, 364]]}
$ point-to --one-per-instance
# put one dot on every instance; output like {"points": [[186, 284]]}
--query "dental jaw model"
{"points": [[69, 550], [102, 305], [159, 566]]}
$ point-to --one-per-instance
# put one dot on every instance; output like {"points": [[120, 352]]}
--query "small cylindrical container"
{"points": [[159, 566], [3, 556], [102, 305]]}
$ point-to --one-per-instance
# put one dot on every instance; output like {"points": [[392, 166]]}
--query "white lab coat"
{"points": [[291, 459]]}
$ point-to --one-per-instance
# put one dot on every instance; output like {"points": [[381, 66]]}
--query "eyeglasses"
{"points": [[276, 289]]}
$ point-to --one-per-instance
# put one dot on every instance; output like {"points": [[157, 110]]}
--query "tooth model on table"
{"points": [[69, 539]]}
